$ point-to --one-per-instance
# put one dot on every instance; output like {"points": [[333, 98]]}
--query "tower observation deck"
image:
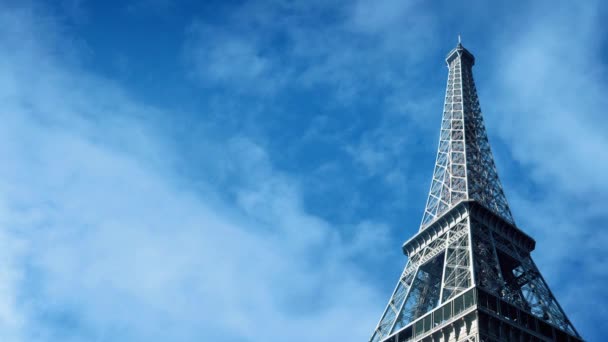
{"points": [[469, 274]]}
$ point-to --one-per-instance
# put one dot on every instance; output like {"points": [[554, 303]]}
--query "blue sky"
{"points": [[242, 171]]}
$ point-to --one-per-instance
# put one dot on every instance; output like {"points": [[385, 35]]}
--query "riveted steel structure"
{"points": [[469, 275]]}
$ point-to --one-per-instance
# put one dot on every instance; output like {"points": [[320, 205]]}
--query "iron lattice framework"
{"points": [[465, 167], [469, 275]]}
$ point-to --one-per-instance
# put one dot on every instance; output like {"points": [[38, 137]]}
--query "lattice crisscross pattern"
{"points": [[465, 167]]}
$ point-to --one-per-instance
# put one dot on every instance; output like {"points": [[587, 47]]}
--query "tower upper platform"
{"points": [[458, 51]]}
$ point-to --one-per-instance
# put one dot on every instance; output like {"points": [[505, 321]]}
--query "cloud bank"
{"points": [[274, 203], [104, 241]]}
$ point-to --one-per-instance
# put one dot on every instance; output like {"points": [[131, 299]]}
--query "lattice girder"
{"points": [[470, 247], [436, 272], [464, 168]]}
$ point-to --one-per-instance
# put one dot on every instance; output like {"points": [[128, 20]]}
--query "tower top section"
{"points": [[464, 168], [460, 51]]}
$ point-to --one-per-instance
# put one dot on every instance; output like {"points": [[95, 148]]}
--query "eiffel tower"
{"points": [[469, 274]]}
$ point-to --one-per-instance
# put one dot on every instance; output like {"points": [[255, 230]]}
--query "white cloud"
{"points": [[222, 57], [552, 114], [351, 55], [106, 242], [281, 44], [102, 242], [549, 103]]}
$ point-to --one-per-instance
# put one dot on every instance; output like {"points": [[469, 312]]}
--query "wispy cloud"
{"points": [[263, 42], [548, 108], [346, 73], [263, 213], [552, 82], [105, 243], [233, 59]]}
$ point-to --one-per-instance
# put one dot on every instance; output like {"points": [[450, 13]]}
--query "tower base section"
{"points": [[478, 316]]}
